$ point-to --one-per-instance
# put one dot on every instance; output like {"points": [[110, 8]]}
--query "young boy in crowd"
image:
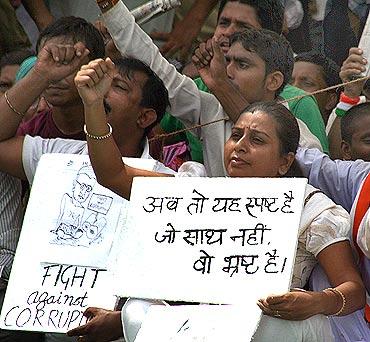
{"points": [[355, 132], [314, 71]]}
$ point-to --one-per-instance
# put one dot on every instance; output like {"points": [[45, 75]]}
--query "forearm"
{"points": [[230, 98], [348, 292], [38, 12], [332, 302], [104, 154], [17, 101], [199, 12]]}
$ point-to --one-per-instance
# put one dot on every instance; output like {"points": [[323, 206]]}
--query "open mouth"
{"points": [[225, 47]]}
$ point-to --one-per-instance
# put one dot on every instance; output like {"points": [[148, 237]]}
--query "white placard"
{"points": [[51, 285], [210, 240], [81, 215], [201, 323], [364, 45]]}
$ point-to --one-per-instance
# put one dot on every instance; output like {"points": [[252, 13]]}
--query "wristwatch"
{"points": [[106, 5]]}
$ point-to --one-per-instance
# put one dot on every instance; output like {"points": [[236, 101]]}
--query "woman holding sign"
{"points": [[264, 132]]}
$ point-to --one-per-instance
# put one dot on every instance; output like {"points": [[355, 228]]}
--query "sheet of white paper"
{"points": [[210, 240], [51, 293], [202, 323], [77, 217]]}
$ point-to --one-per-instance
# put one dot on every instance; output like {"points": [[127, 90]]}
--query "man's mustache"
{"points": [[107, 106]]}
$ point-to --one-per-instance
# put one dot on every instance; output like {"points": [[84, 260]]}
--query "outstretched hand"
{"points": [[94, 80], [103, 326], [57, 61], [210, 62], [295, 305]]}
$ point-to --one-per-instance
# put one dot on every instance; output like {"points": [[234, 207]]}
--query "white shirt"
{"points": [[35, 147]]}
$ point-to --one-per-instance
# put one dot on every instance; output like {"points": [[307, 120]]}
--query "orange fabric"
{"points": [[367, 313], [362, 206]]}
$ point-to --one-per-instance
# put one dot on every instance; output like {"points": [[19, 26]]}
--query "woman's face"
{"points": [[253, 149]]}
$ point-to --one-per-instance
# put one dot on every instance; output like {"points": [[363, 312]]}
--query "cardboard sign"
{"points": [[210, 240], [66, 248]]}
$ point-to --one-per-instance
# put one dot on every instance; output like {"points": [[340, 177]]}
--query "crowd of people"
{"points": [[247, 88]]}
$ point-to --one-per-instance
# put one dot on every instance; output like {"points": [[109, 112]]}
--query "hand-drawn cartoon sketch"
{"points": [[81, 220]]}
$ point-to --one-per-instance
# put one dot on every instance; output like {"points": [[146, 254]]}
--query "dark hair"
{"points": [[15, 57], [77, 30], [273, 49], [287, 130], [349, 121], [329, 67], [155, 94], [270, 13]]}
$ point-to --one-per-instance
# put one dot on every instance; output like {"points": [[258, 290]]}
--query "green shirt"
{"points": [[171, 124], [305, 109]]}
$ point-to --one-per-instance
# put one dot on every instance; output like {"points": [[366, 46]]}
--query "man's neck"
{"points": [[270, 97], [70, 119], [130, 145]]}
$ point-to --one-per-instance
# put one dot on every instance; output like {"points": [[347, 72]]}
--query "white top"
{"points": [[322, 224], [35, 147], [188, 104]]}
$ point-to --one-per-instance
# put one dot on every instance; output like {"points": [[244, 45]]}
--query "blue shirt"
{"points": [[338, 179]]}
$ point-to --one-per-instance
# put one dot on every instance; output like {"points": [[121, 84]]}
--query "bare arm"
{"points": [[20, 97], [337, 262], [93, 81], [38, 12], [11, 157], [54, 63], [185, 31]]}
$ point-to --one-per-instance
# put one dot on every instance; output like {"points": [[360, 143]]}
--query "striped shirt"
{"points": [[10, 223]]}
